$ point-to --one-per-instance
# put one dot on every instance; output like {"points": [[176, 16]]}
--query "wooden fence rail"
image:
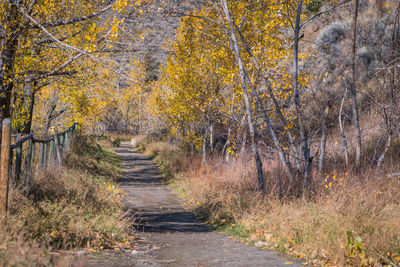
{"points": [[18, 160]]}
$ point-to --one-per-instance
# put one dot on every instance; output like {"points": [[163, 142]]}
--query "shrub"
{"points": [[330, 36], [67, 209], [314, 6], [116, 142], [342, 223]]}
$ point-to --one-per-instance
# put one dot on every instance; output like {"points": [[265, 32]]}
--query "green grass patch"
{"points": [[236, 230], [315, 6]]}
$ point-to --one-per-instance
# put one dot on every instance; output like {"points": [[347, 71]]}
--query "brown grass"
{"points": [[348, 220], [169, 158], [18, 252], [77, 206]]}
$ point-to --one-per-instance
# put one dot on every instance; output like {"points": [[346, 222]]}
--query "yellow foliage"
{"points": [[201, 79], [39, 59]]}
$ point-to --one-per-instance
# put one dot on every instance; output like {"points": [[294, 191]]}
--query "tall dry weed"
{"points": [[348, 219], [77, 206]]}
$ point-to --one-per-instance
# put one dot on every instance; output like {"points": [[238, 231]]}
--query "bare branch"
{"points": [[72, 48], [74, 20], [323, 12]]}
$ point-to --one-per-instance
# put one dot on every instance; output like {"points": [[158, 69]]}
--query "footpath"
{"points": [[168, 234]]}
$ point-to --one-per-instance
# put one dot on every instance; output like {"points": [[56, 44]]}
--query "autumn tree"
{"points": [[46, 43], [242, 44]]}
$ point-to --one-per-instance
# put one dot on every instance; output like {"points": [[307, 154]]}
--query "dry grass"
{"points": [[319, 229], [121, 136], [169, 158], [18, 252], [349, 220], [77, 206]]}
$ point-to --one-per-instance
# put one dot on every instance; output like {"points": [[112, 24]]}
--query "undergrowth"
{"points": [[347, 221], [170, 159], [76, 206]]}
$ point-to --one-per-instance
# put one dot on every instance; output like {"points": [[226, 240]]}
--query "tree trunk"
{"points": [[227, 145], [28, 103], [211, 138], [205, 147], [260, 175], [282, 154], [353, 88], [8, 44], [382, 156], [28, 125], [47, 122], [127, 116], [285, 124], [303, 136], [342, 133], [140, 115], [51, 115], [323, 139], [244, 141]]}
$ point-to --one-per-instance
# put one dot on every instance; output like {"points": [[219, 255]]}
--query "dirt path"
{"points": [[171, 235]]}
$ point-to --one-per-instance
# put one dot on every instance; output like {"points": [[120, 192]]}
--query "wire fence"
{"points": [[28, 153]]}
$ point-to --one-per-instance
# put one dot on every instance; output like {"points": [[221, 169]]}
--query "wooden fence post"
{"points": [[40, 158], [62, 142], [11, 166], [45, 150], [4, 168], [50, 158], [66, 142], [28, 160], [33, 153], [74, 130], [57, 149], [18, 163]]}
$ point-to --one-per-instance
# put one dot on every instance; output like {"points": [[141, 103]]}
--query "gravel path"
{"points": [[181, 238], [169, 234]]}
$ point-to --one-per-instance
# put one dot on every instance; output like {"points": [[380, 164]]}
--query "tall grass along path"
{"points": [[177, 238]]}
